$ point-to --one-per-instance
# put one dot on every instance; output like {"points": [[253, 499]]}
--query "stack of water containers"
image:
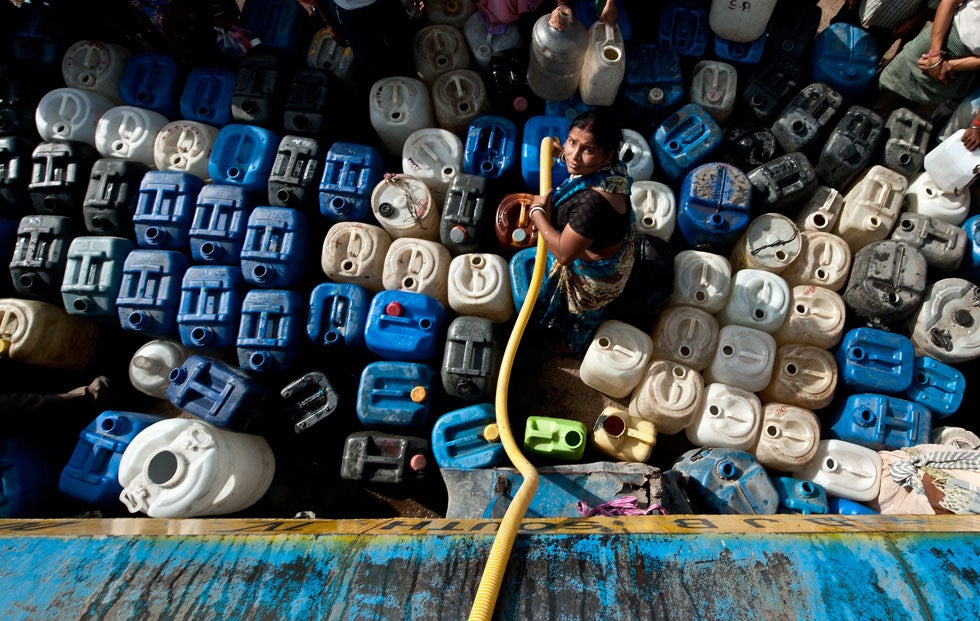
{"points": [[824, 258]]}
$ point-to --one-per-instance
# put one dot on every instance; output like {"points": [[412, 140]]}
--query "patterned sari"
{"points": [[573, 301]]}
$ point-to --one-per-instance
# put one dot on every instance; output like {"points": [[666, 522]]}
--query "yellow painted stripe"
{"points": [[668, 525]]}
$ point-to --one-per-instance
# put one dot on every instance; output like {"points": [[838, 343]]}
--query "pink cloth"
{"points": [[894, 498], [497, 14]]}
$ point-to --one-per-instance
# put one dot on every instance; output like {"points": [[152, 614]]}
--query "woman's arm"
{"points": [[932, 62], [567, 245], [971, 137]]}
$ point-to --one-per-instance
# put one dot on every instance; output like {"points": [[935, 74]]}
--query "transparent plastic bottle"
{"points": [[556, 56]]}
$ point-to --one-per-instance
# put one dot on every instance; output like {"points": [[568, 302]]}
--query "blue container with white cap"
{"points": [[149, 81], [872, 360], [395, 395], [491, 145], [207, 96], [535, 129], [350, 173], [149, 294], [216, 392], [468, 438], [243, 155], [338, 314], [217, 230], [881, 422], [404, 326], [210, 306], [274, 250], [271, 329], [165, 209]]}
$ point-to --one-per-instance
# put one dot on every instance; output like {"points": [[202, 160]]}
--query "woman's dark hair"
{"points": [[604, 126]]}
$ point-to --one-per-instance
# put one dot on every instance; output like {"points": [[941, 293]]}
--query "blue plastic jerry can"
{"points": [[873, 360], [728, 481], [309, 400], [274, 250], [216, 392], [936, 386], [93, 275], [149, 294], [844, 506], [395, 395], [27, 477], [92, 472], [278, 24], [471, 359], [970, 267], [685, 139], [491, 147], [210, 306], [535, 129], [845, 57], [404, 325], [165, 209], [243, 155], [521, 269], [684, 27], [714, 206], [735, 52], [270, 330], [800, 496], [468, 438], [149, 81], [37, 266], [881, 422], [568, 108], [217, 230], [350, 173], [207, 96], [111, 197], [295, 172], [653, 84], [338, 314]]}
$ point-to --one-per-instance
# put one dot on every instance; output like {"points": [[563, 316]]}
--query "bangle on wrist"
{"points": [[535, 208], [939, 62]]}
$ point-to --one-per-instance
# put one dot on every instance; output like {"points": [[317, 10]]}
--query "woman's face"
{"points": [[582, 155]]}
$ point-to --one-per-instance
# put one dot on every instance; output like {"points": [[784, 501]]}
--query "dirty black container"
{"points": [[770, 86], [256, 96], [649, 286], [749, 53], [15, 175], [112, 194], [465, 217], [887, 281], [471, 359], [792, 28], [652, 86], [510, 94], [16, 109], [375, 457], [785, 180], [309, 400], [311, 103], [748, 145], [40, 255], [849, 147], [295, 172], [59, 176], [801, 124], [941, 243], [907, 137]]}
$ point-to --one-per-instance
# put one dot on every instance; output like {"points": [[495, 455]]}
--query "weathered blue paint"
{"points": [[613, 569]]}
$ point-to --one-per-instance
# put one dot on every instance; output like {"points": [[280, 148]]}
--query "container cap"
{"points": [[656, 96], [491, 433], [419, 394], [418, 462], [457, 234], [394, 309]]}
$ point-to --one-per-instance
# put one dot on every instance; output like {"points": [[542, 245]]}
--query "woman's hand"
{"points": [[557, 21], [971, 138], [936, 67], [609, 13]]}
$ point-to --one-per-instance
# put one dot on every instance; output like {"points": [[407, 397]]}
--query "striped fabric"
{"points": [[889, 13]]}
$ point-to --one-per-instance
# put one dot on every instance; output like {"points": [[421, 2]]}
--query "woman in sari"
{"points": [[590, 233]]}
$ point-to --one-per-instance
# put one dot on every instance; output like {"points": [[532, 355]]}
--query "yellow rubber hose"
{"points": [[503, 542]]}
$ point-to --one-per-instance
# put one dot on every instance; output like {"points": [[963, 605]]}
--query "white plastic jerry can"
{"points": [[802, 375], [702, 280], [844, 469], [616, 359], [398, 107], [404, 206], [95, 66], [816, 317], [740, 21], [130, 133], [771, 242], [179, 468], [438, 49], [70, 114], [714, 87], [951, 165], [150, 366], [434, 156], [185, 146], [824, 261], [788, 438], [758, 299], [635, 152], [41, 334], [687, 335], [483, 44], [668, 396], [947, 324], [743, 358], [604, 65], [728, 417], [821, 210], [871, 207], [458, 97], [479, 285], [655, 208], [623, 436], [925, 197], [354, 252], [418, 265]]}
